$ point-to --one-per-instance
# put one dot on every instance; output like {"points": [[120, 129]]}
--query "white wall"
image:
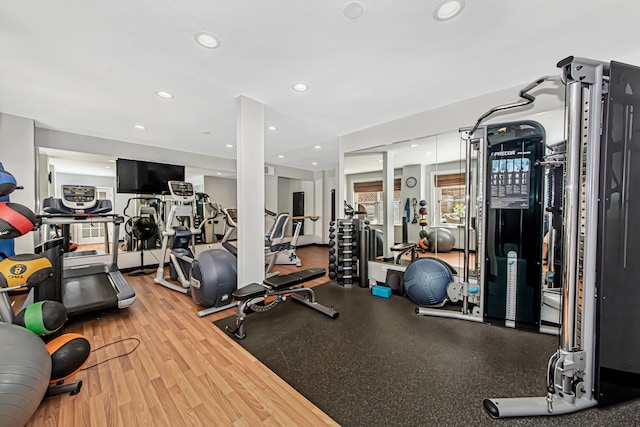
{"points": [[221, 191], [327, 180], [17, 154]]}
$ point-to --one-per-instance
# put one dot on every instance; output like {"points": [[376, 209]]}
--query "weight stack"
{"points": [[197, 221]]}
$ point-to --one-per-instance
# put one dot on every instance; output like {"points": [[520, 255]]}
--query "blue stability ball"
{"points": [[426, 280]]}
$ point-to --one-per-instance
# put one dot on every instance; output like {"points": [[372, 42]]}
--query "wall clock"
{"points": [[411, 182]]}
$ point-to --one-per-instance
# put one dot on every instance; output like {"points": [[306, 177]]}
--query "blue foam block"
{"points": [[381, 291]]}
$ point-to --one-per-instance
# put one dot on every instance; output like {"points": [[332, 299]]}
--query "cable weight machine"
{"points": [[597, 359]]}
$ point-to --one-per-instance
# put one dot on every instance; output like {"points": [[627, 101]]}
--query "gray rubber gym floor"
{"points": [[379, 364]]}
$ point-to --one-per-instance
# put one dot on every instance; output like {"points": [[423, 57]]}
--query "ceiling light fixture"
{"points": [[428, 153], [448, 9], [300, 87], [141, 127], [413, 145], [207, 40], [380, 161], [272, 128], [218, 173], [314, 163], [280, 156], [353, 10], [165, 95], [318, 147], [229, 145], [112, 161]]}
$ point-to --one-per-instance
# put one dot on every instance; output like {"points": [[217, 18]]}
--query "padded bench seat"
{"points": [[289, 280], [278, 283], [249, 291], [402, 247]]}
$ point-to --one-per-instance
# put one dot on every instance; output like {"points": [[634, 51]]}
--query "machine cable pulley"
{"points": [[524, 94]]}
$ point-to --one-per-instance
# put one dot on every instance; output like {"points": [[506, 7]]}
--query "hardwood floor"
{"points": [[185, 371]]}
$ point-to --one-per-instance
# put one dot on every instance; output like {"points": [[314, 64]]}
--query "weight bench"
{"points": [[402, 248], [255, 293]]}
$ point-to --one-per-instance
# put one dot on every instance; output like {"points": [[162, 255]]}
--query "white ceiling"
{"points": [[92, 67]]}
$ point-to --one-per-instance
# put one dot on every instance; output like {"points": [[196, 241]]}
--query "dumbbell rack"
{"points": [[348, 248]]}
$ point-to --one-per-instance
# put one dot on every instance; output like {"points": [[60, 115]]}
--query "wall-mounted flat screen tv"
{"points": [[138, 177]]}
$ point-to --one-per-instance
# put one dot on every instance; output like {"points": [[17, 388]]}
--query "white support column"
{"points": [[387, 187], [250, 190], [341, 180]]}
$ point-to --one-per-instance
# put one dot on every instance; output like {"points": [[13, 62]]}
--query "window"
{"points": [[450, 194], [368, 196]]}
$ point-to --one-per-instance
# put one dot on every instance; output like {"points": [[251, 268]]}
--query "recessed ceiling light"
{"points": [[318, 147], [107, 167], [428, 153], [272, 128], [112, 161], [141, 127], [207, 40], [300, 87], [448, 9], [280, 156], [218, 173], [165, 95], [315, 163], [413, 145], [380, 161], [229, 145], [353, 9], [206, 132]]}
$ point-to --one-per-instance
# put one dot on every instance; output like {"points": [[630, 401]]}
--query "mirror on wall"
{"points": [[60, 167], [428, 190]]}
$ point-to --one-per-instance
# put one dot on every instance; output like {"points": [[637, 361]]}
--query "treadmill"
{"points": [[82, 284]]}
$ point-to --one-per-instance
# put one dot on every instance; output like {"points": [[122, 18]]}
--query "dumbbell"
{"points": [[333, 258], [352, 244]]}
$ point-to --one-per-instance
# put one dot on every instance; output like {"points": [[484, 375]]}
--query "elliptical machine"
{"points": [[214, 273], [180, 255], [210, 278]]}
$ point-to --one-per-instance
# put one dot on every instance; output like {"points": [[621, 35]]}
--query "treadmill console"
{"points": [[182, 191], [79, 197]]}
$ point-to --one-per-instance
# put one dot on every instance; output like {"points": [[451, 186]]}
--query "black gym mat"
{"points": [[379, 364]]}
